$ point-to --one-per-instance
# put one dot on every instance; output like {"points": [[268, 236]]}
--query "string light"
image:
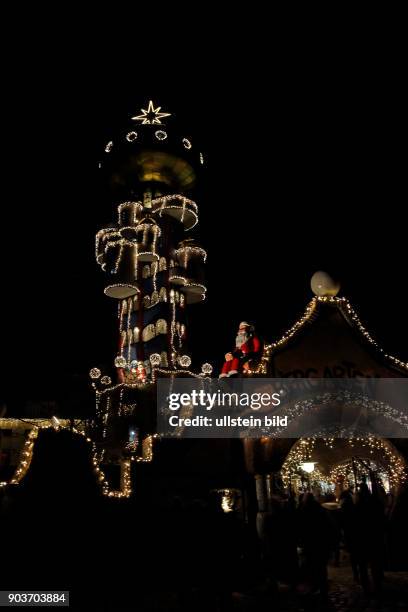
{"points": [[206, 368], [175, 372], [305, 408], [186, 251], [160, 135], [350, 314], [110, 289], [184, 361], [120, 362], [177, 203], [349, 470], [26, 454], [136, 208], [303, 449], [131, 136], [155, 359], [227, 500]]}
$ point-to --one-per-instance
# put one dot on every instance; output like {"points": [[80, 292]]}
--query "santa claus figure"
{"points": [[247, 346], [141, 372]]}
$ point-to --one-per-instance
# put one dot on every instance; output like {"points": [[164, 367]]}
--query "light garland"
{"points": [[136, 207], [113, 237], [345, 472], [99, 236], [175, 372], [26, 457], [195, 286], [125, 481], [186, 251], [113, 286], [131, 136], [185, 283], [347, 398], [350, 314], [122, 385], [26, 454], [160, 135], [128, 330], [303, 449], [175, 201], [173, 353], [119, 240], [97, 458]]}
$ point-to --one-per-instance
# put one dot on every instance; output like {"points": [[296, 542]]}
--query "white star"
{"points": [[151, 115]]}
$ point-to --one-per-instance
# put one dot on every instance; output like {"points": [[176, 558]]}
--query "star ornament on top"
{"points": [[151, 115]]}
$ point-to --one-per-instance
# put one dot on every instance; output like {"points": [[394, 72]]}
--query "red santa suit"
{"points": [[246, 348]]}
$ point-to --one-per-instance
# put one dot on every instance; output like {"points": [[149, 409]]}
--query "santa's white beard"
{"points": [[241, 339]]}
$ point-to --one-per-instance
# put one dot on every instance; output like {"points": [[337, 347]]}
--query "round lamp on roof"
{"points": [[323, 285]]}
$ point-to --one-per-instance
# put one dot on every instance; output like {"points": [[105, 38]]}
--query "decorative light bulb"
{"points": [[206, 368]]}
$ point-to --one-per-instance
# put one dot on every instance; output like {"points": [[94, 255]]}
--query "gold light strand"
{"points": [[173, 329], [175, 372], [345, 306], [121, 308], [136, 260], [135, 206], [129, 306], [26, 456], [186, 251], [111, 237], [97, 457], [119, 257], [302, 452]]}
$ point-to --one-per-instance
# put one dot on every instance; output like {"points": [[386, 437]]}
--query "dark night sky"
{"points": [[305, 172]]}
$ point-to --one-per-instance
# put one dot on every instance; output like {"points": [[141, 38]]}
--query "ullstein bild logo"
{"points": [[285, 407]]}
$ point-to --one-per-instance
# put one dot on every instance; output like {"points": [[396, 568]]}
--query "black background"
{"points": [[304, 131], [305, 171]]}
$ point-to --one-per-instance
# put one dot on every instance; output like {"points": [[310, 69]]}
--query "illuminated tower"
{"points": [[154, 270]]}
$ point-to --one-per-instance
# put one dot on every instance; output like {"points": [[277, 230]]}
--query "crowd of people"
{"points": [[357, 526], [289, 546], [300, 536], [62, 534]]}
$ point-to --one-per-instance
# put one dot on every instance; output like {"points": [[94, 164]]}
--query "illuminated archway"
{"points": [[333, 458]]}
